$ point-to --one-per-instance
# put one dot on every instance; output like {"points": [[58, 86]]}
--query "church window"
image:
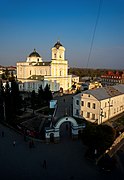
{"points": [[88, 104], [93, 116], [30, 72], [60, 73], [38, 59], [82, 103], [60, 56], [54, 55], [77, 102], [77, 112]]}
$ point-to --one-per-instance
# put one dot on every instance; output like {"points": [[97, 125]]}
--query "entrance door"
{"points": [[65, 131]]}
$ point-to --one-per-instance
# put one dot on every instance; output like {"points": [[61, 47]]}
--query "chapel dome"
{"points": [[57, 45], [34, 54]]}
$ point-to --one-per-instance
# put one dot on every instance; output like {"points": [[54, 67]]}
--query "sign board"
{"points": [[53, 104]]}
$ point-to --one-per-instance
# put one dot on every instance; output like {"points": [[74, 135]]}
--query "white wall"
{"points": [[103, 111]]}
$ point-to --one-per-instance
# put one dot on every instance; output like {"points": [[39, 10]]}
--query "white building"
{"points": [[99, 105], [35, 72]]}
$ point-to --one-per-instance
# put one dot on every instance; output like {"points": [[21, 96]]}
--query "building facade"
{"points": [[35, 71], [112, 78], [99, 105]]}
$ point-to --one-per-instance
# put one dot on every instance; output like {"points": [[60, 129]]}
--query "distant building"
{"points": [[89, 85], [35, 72], [11, 69], [99, 105], [111, 78]]}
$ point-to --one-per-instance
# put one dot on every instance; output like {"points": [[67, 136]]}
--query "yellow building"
{"points": [[35, 71]]}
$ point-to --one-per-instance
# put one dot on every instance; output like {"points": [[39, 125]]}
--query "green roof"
{"points": [[43, 64], [36, 77]]}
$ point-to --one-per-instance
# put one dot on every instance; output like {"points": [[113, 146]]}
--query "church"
{"points": [[35, 72]]}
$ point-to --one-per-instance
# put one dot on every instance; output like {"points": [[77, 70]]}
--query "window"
{"points": [[30, 72], [105, 104], [93, 116], [77, 102], [104, 114], [82, 103], [94, 106], [88, 104], [88, 95], [54, 55], [77, 112], [88, 115], [81, 113]]}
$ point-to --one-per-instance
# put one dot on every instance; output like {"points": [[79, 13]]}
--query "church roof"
{"points": [[34, 54], [58, 44]]}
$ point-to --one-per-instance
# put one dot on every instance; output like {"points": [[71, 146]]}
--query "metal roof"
{"points": [[105, 92]]}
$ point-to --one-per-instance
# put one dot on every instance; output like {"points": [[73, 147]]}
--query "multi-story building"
{"points": [[35, 71], [111, 78], [99, 105]]}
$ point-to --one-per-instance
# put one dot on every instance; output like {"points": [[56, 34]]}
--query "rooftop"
{"points": [[105, 92]]}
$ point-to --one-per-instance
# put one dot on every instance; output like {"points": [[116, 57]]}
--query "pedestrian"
{"points": [[44, 164], [2, 134], [14, 143], [30, 144]]}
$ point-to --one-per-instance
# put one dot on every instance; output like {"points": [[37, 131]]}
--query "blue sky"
{"points": [[27, 24]]}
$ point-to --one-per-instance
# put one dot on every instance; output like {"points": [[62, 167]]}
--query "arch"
{"points": [[66, 119]]}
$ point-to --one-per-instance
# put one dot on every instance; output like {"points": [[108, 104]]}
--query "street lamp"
{"points": [[101, 114], [4, 111]]}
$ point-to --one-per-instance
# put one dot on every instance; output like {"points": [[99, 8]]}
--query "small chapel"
{"points": [[35, 72]]}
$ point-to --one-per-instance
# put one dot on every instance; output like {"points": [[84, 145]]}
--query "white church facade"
{"points": [[35, 72]]}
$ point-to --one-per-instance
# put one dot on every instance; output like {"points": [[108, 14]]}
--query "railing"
{"points": [[116, 145]]}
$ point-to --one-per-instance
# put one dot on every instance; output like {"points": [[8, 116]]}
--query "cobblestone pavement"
{"points": [[64, 161]]}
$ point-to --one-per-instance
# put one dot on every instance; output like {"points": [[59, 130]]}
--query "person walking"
{"points": [[14, 143], [44, 164]]}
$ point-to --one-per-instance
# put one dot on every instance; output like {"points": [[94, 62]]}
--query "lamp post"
{"points": [[4, 111], [101, 114]]}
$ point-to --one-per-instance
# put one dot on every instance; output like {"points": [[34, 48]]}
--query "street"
{"points": [[64, 106], [64, 161]]}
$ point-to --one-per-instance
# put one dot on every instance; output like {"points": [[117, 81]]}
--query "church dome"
{"points": [[34, 54], [57, 45]]}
